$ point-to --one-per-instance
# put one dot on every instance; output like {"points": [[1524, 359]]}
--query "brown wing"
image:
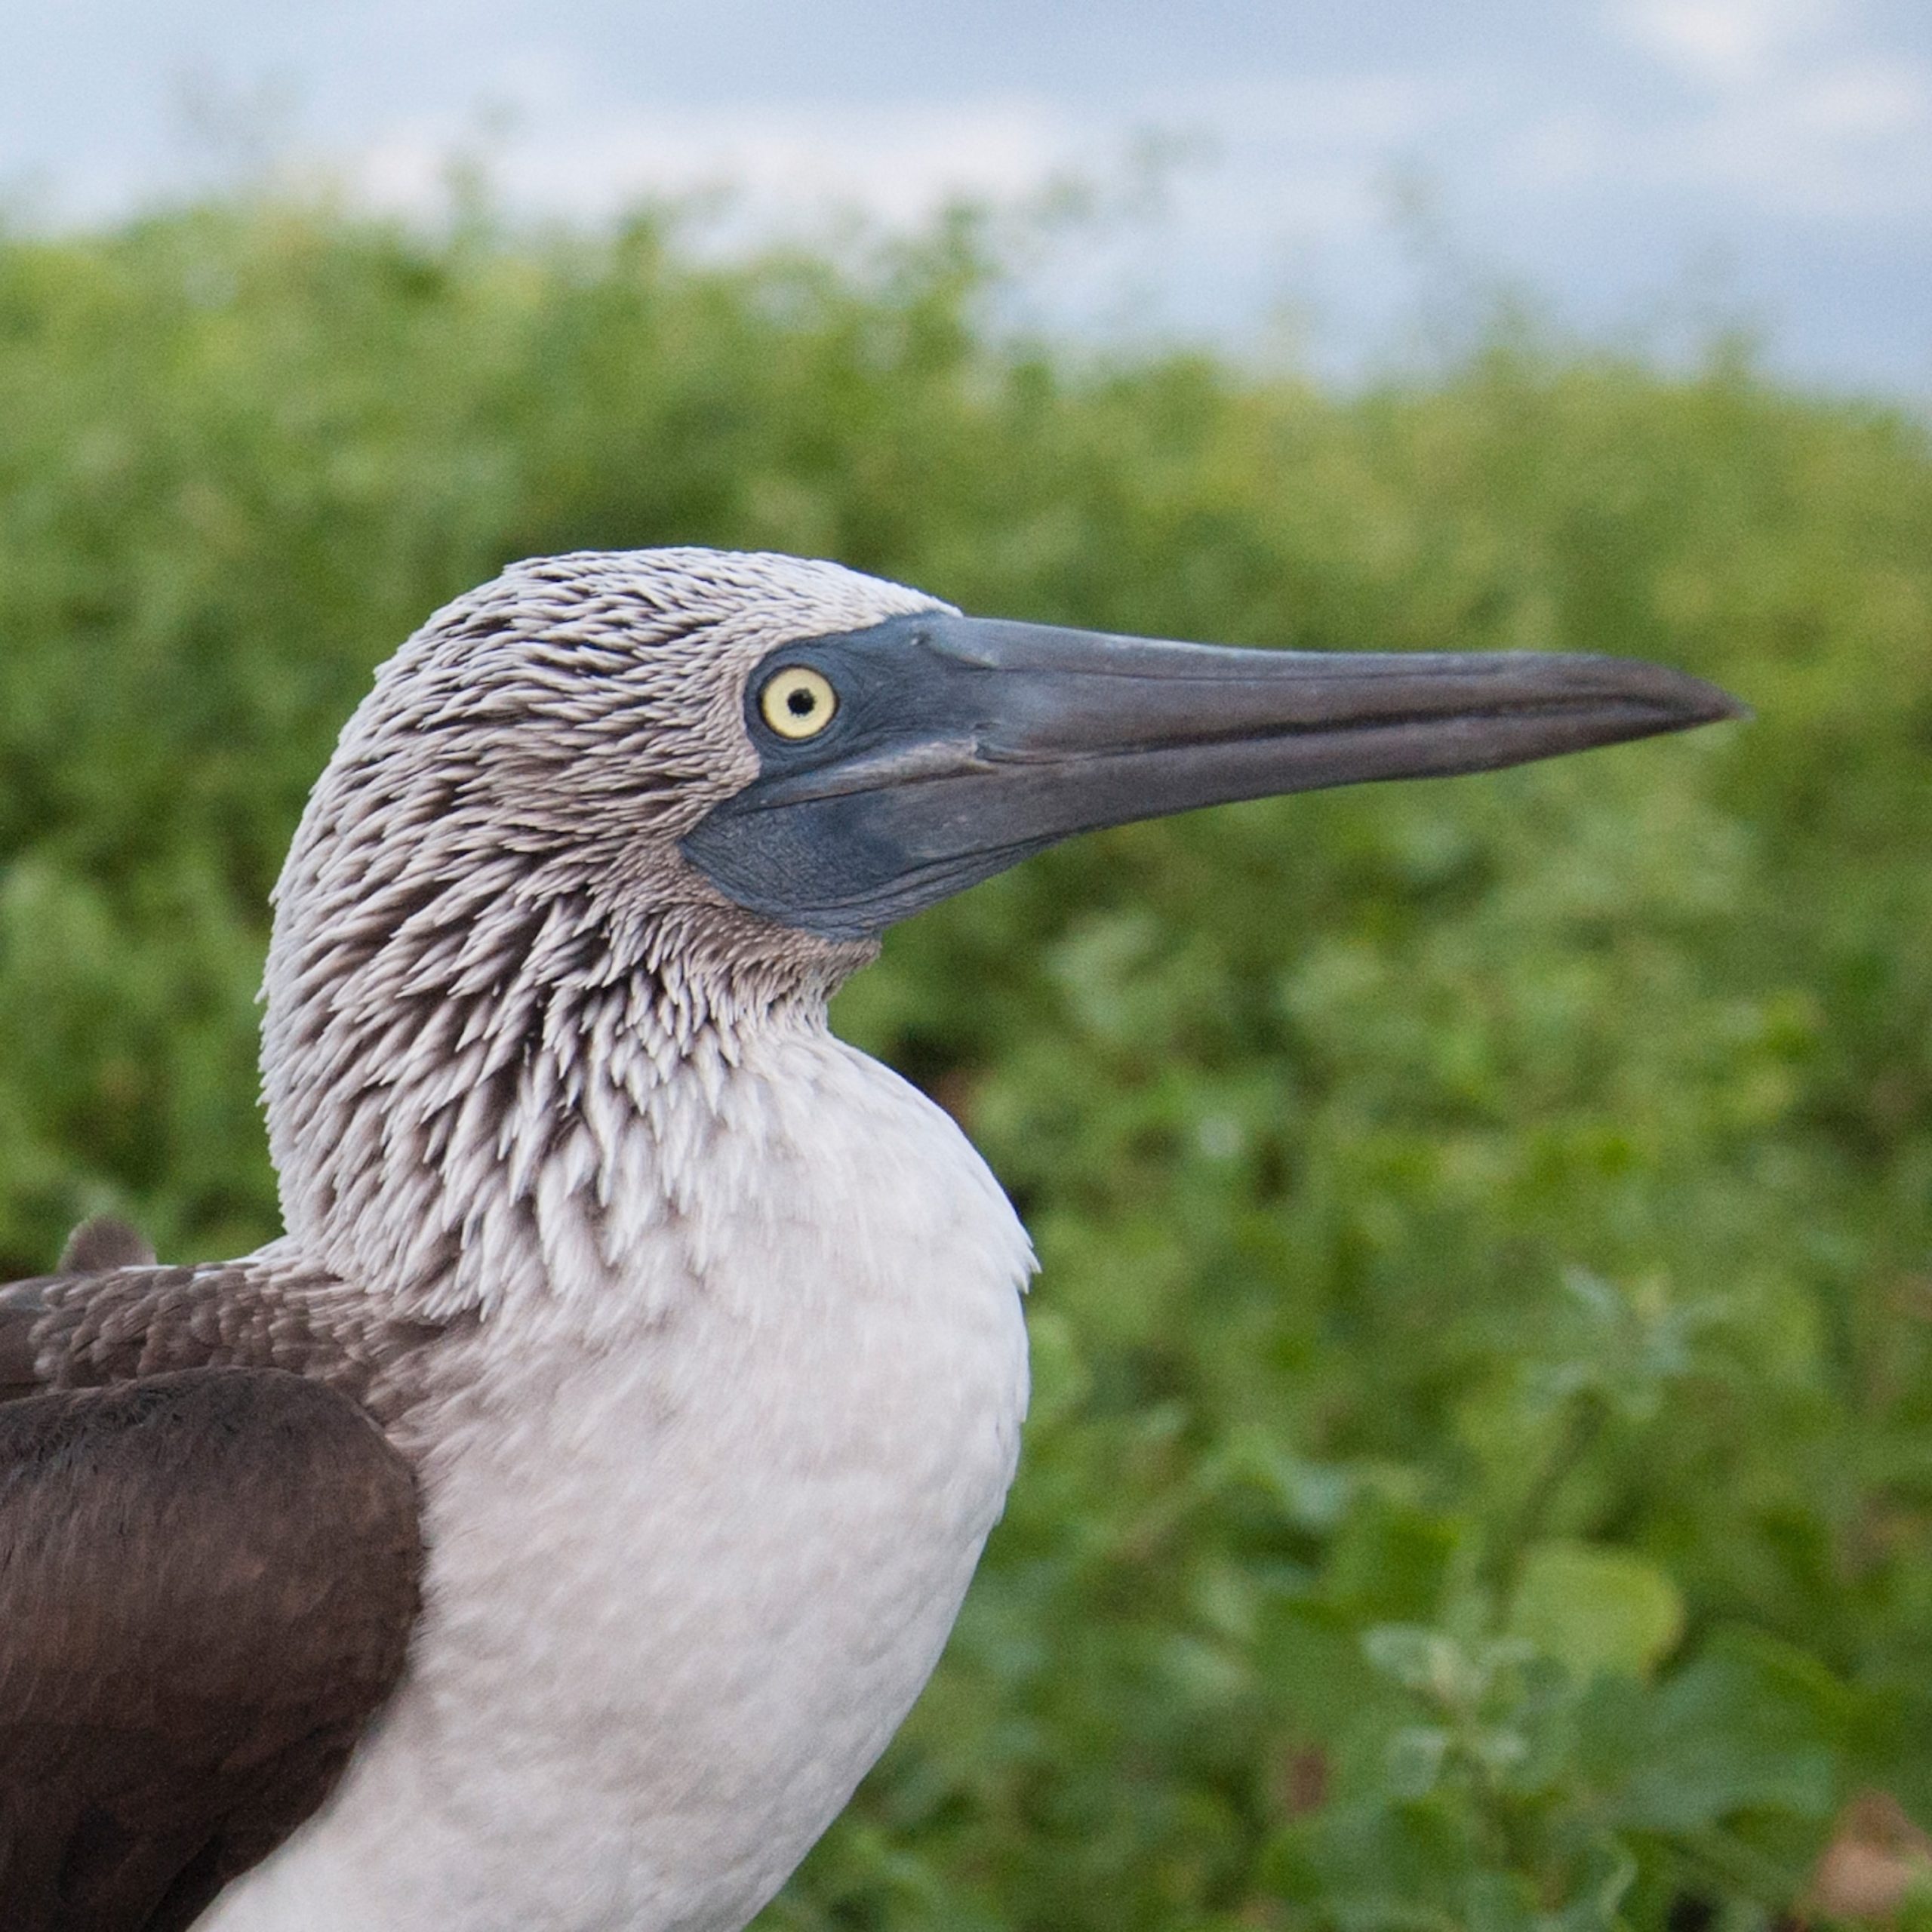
{"points": [[209, 1569], [207, 1581]]}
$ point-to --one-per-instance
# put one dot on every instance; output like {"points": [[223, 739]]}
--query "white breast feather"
{"points": [[696, 1546]]}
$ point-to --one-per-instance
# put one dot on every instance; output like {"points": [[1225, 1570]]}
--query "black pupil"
{"points": [[801, 703]]}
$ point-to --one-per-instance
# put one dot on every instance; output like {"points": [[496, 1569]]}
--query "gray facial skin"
{"points": [[960, 746]]}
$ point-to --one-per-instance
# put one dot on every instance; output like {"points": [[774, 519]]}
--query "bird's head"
{"points": [[625, 802]]}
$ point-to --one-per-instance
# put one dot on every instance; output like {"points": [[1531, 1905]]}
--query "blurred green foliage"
{"points": [[1480, 1473]]}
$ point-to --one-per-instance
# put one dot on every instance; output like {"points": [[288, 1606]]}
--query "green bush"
{"points": [[1481, 1472]]}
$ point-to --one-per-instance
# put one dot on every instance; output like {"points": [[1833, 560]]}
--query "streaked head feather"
{"points": [[489, 958]]}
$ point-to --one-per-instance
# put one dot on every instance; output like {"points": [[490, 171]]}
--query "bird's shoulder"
{"points": [[114, 1315]]}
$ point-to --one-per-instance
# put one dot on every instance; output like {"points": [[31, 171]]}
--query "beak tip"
{"points": [[1679, 701], [1711, 704]]}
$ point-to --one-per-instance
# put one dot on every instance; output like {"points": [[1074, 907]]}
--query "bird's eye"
{"points": [[797, 702]]}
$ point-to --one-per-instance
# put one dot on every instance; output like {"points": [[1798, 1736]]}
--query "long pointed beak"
{"points": [[958, 745]]}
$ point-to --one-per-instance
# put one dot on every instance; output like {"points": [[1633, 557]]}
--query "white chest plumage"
{"points": [[693, 1550]]}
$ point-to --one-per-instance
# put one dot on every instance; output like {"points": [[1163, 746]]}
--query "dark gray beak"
{"points": [[948, 748]]}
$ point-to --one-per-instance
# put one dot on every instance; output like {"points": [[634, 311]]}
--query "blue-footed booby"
{"points": [[546, 1532]]}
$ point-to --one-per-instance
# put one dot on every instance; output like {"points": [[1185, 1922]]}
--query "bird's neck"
{"points": [[472, 1098]]}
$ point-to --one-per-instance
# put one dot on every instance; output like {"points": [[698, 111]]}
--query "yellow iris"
{"points": [[797, 702]]}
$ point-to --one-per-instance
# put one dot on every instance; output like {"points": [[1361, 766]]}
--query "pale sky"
{"points": [[1652, 168]]}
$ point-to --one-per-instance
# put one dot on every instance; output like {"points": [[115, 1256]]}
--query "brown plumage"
{"points": [[207, 1581], [103, 1243], [63, 1332], [209, 1568]]}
